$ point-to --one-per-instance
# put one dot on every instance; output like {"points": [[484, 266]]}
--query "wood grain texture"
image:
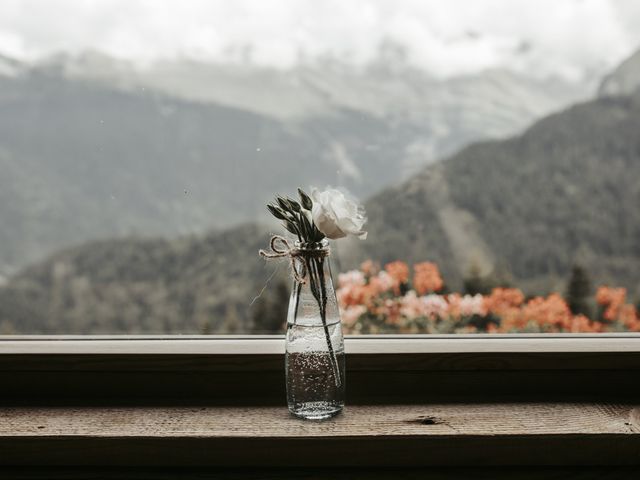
{"points": [[401, 435], [357, 421]]}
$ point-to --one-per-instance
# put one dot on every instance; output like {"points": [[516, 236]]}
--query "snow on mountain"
{"points": [[624, 80], [439, 116], [10, 67]]}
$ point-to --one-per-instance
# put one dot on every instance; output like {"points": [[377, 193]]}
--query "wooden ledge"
{"points": [[558, 434]]}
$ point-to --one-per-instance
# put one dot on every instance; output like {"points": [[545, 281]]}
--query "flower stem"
{"points": [[298, 287], [321, 298]]}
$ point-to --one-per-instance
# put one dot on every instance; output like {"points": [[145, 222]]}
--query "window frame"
{"points": [[249, 370], [522, 374]]}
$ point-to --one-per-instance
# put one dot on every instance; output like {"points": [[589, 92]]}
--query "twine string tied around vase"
{"points": [[280, 248]]}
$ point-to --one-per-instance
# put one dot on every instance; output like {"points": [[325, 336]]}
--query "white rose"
{"points": [[337, 216]]}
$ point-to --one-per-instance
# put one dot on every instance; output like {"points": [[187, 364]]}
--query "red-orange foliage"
{"points": [[426, 278], [613, 300], [370, 300], [399, 271], [503, 300]]}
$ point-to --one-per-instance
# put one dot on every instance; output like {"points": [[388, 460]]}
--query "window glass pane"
{"points": [[494, 144]]}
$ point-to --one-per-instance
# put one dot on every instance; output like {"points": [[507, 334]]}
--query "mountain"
{"points": [[566, 190], [92, 147], [81, 162], [438, 116], [189, 285], [625, 80], [10, 67]]}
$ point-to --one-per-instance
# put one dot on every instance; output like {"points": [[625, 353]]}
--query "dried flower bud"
{"points": [[305, 200]]}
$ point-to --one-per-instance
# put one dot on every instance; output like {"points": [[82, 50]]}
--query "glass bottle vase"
{"points": [[315, 370]]}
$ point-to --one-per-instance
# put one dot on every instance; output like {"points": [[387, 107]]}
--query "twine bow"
{"points": [[286, 250]]}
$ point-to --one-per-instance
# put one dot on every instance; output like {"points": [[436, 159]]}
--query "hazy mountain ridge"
{"points": [[110, 163], [92, 147], [566, 190], [10, 67], [140, 286], [624, 80], [442, 115]]}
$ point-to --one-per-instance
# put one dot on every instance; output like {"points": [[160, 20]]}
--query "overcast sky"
{"points": [[570, 38]]}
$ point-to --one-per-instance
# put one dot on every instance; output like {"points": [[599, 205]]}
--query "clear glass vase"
{"points": [[314, 344]]}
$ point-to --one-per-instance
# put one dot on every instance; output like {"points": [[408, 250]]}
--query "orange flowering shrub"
{"points": [[426, 278], [374, 300], [616, 310], [399, 272], [369, 268], [502, 301], [612, 299], [552, 314]]}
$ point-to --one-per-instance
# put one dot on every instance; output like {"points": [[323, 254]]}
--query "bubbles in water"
{"points": [[314, 389]]}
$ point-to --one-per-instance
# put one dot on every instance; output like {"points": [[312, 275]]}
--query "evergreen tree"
{"points": [[579, 291], [474, 282]]}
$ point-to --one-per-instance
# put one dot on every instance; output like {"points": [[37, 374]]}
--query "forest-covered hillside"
{"points": [[92, 147], [81, 161], [566, 191]]}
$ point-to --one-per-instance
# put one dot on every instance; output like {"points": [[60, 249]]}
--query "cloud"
{"points": [[572, 38]]}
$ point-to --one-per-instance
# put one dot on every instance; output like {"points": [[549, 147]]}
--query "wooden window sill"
{"points": [[472, 434]]}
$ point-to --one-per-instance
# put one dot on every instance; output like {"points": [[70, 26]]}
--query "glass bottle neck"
{"points": [[313, 247]]}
